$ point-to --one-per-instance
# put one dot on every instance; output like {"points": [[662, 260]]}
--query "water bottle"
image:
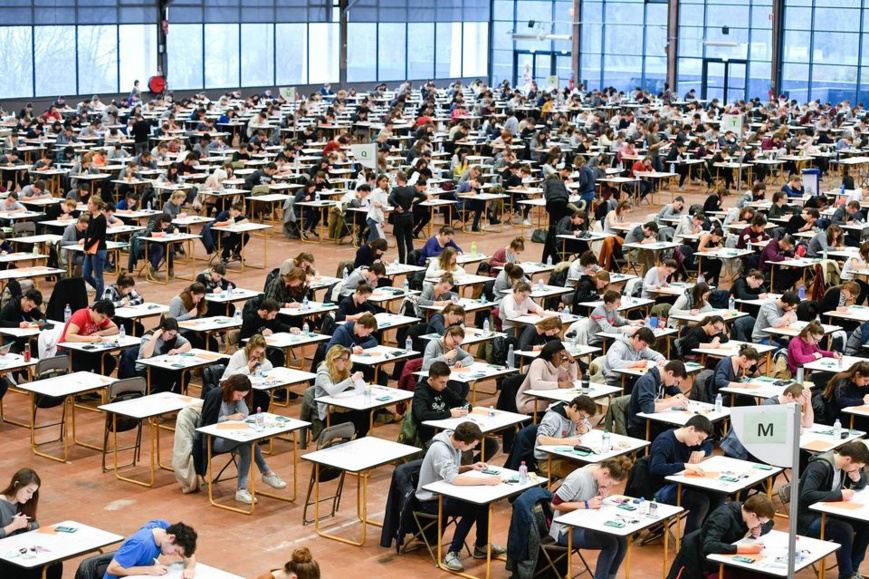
{"points": [[491, 411], [798, 555], [305, 303], [837, 429], [648, 322], [719, 402], [27, 353], [523, 474], [305, 327], [122, 333], [67, 314], [238, 315], [511, 358], [483, 298], [653, 322], [606, 444], [345, 273], [486, 326], [802, 291], [229, 291], [149, 205], [672, 167], [540, 286], [701, 278], [731, 303], [406, 287], [843, 189], [408, 344], [317, 197], [653, 509], [643, 507], [548, 260], [566, 311], [260, 419], [474, 248], [259, 370]]}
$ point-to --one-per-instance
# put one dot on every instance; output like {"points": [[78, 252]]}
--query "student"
{"points": [[230, 402], [682, 449], [775, 313], [590, 289], [18, 504], [377, 201], [840, 297], [793, 187], [749, 286], [370, 253], [448, 350], [804, 348], [355, 335], [845, 389], [21, 312], [164, 339], [585, 488], [649, 396], [563, 424], [123, 294], [709, 332], [605, 318], [451, 315], [506, 279], [584, 268], [190, 304], [830, 240], [693, 301], [730, 370], [139, 553], [633, 351], [363, 275], [658, 277], [436, 244], [534, 338], [333, 377], [795, 393], [725, 526], [553, 368], [214, 280], [92, 325], [442, 462], [436, 294], [518, 304], [231, 243], [778, 250], [95, 246], [301, 566], [509, 254], [352, 307], [643, 234], [834, 476], [445, 263], [288, 287], [263, 320]]}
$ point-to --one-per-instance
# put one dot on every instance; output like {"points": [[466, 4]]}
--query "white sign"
{"points": [[289, 93], [365, 154], [767, 432], [731, 123]]}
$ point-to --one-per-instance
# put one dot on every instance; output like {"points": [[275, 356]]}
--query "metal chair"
{"points": [[556, 556], [332, 436], [127, 389], [50, 368]]}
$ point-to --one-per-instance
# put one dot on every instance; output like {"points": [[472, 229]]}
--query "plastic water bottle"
{"points": [[67, 314], [408, 343], [238, 315], [305, 327], [305, 303], [474, 248], [149, 205], [802, 291], [719, 402], [259, 370], [565, 311], [406, 287], [483, 298], [260, 419], [731, 303], [843, 189], [511, 357], [540, 286], [648, 322], [653, 509], [701, 278], [345, 273], [837, 429], [672, 167], [643, 507], [122, 333], [606, 444], [548, 260], [486, 326], [798, 555], [229, 291], [491, 411], [317, 197], [523, 474]]}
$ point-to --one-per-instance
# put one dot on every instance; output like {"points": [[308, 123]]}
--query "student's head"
{"points": [[444, 284], [588, 261], [517, 245], [337, 362], [83, 220], [268, 309], [755, 279], [747, 356], [514, 272], [304, 260], [237, 387], [850, 290], [521, 291], [438, 375], [612, 300], [295, 277], [23, 491], [168, 329], [669, 266], [612, 471], [32, 298], [643, 338], [650, 230], [793, 393], [467, 435], [758, 223], [448, 259], [697, 430], [701, 293], [255, 349], [365, 325], [674, 372], [550, 326], [854, 455], [790, 300], [758, 509], [858, 374], [378, 247], [580, 408], [103, 310], [302, 565], [553, 352], [453, 314], [453, 337]]}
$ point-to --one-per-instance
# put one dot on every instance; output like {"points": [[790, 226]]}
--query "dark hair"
{"points": [[379, 243], [237, 383], [584, 403], [856, 450], [761, 505], [33, 295], [303, 566], [367, 320], [749, 351], [697, 293], [514, 271], [169, 324], [468, 432], [701, 424], [550, 349], [611, 296], [438, 369], [125, 279], [791, 298], [269, 305], [379, 269], [22, 478], [861, 368], [646, 335], [677, 367], [104, 307], [185, 537]]}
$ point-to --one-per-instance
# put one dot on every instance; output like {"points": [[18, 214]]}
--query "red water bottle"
{"points": [[27, 353]]}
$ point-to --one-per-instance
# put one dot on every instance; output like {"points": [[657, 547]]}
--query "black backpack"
{"points": [[270, 276], [211, 378], [638, 480], [500, 347]]}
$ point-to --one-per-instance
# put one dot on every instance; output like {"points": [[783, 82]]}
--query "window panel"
{"points": [[184, 45], [97, 59], [221, 56], [837, 19], [323, 53], [689, 75], [257, 54], [292, 54], [54, 62], [502, 37], [836, 48], [475, 49], [137, 52], [622, 72], [361, 52], [798, 18], [448, 60], [392, 46], [17, 61], [420, 50]]}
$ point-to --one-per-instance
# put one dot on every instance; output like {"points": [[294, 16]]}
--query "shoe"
{"points": [[236, 257], [314, 233], [480, 551], [274, 481], [416, 234], [152, 273], [526, 223], [304, 235], [475, 229], [453, 562], [224, 259], [242, 496], [494, 221]]}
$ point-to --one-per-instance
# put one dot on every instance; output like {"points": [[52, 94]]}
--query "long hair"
{"points": [[255, 341], [187, 298], [860, 369], [238, 383], [22, 478], [333, 354]]}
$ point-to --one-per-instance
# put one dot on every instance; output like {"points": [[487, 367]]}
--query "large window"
{"points": [[54, 61], [97, 59], [291, 54], [257, 54], [391, 49], [17, 43], [420, 50], [137, 50], [361, 52], [323, 53], [221, 55], [184, 47]]}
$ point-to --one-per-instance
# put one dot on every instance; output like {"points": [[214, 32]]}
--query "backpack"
{"points": [[638, 484], [500, 347], [211, 378], [127, 363], [271, 276], [410, 435]]}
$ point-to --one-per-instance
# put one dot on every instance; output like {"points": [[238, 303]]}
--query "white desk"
{"points": [[360, 457], [376, 397], [773, 560], [111, 345], [594, 440], [280, 377], [819, 438], [247, 229], [211, 324], [313, 309], [471, 374], [203, 571], [379, 355], [472, 336], [54, 546], [185, 362], [680, 417], [145, 310]]}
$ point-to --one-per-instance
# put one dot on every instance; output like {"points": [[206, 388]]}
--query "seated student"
{"points": [[442, 462], [214, 280], [357, 336], [74, 234], [370, 253], [725, 525], [682, 449], [563, 424], [650, 395], [123, 294], [711, 331], [447, 350], [130, 202], [830, 240], [451, 315], [363, 275], [334, 377], [288, 287], [18, 515], [731, 445], [553, 368], [804, 348], [509, 254], [162, 340], [92, 325], [634, 351], [533, 338], [730, 370], [671, 210], [301, 566], [605, 318], [20, 313], [438, 243], [658, 277], [517, 304], [352, 307], [833, 476], [693, 301], [845, 389], [804, 221], [593, 292], [436, 294], [585, 488], [853, 347], [232, 401], [506, 279], [840, 297], [263, 320], [778, 250], [139, 554], [749, 286], [775, 313], [190, 304], [231, 244], [159, 226], [445, 263], [793, 188]]}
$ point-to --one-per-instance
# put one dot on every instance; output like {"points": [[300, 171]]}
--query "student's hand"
{"points": [[24, 325], [691, 467], [678, 400], [158, 570], [188, 573], [356, 375], [479, 466], [293, 305], [842, 309], [639, 364], [595, 503], [295, 331], [866, 399], [762, 296], [267, 332], [854, 476], [694, 312], [19, 521], [696, 457], [173, 351], [458, 412], [251, 364], [715, 342], [357, 350], [125, 302], [818, 355], [451, 354], [749, 549], [847, 494], [492, 480], [236, 416]]}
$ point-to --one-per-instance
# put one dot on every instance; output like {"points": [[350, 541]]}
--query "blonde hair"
{"points": [[551, 323], [446, 257], [255, 341], [179, 195], [333, 354]]}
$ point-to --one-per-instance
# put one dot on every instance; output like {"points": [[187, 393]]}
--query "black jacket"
{"points": [[815, 484], [253, 324], [740, 290], [347, 307], [12, 315], [209, 415], [428, 404], [696, 336], [586, 290]]}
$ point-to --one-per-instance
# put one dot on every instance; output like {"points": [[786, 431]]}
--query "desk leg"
{"points": [[569, 553], [152, 434], [678, 519], [822, 571], [210, 475], [64, 434], [666, 538], [628, 560]]}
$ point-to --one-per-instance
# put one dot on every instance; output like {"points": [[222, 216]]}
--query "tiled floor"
{"points": [[249, 545]]}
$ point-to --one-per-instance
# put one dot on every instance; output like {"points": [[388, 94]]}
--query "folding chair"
{"points": [[427, 526], [50, 368], [555, 559], [126, 389], [332, 436]]}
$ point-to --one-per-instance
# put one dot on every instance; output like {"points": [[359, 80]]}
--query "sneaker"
{"points": [[152, 273], [494, 221], [526, 223], [274, 481], [304, 235], [242, 496], [314, 233], [453, 561], [480, 551]]}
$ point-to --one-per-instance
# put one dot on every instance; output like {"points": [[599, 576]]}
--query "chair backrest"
{"points": [[595, 370], [51, 367], [22, 228], [784, 495], [70, 291], [580, 329], [135, 385], [617, 415], [336, 434]]}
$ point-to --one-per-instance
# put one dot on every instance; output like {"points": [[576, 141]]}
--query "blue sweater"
{"points": [[669, 457], [433, 249], [344, 335]]}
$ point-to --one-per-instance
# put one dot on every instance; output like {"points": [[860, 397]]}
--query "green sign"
{"points": [[765, 428]]}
